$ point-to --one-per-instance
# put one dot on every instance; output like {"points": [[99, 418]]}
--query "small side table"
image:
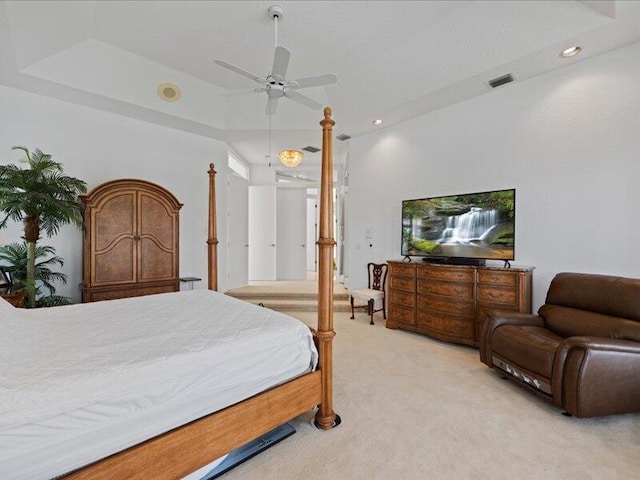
{"points": [[15, 298], [190, 281]]}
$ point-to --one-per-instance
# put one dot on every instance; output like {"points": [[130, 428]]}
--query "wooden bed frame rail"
{"points": [[190, 447]]}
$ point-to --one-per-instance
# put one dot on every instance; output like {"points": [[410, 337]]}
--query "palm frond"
{"points": [[13, 258], [52, 301]]}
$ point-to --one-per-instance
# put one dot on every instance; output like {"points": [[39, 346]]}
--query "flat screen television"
{"points": [[473, 226]]}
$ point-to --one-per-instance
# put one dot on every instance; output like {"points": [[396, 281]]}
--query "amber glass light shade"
{"points": [[291, 158]]}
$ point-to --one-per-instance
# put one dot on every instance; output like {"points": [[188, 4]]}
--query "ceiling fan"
{"points": [[275, 84]]}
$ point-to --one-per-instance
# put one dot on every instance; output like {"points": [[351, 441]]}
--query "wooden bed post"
{"points": [[212, 242], [326, 417]]}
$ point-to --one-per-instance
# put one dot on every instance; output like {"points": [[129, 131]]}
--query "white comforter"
{"points": [[82, 381]]}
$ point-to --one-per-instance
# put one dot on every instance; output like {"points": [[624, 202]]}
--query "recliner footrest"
{"points": [[525, 377]]}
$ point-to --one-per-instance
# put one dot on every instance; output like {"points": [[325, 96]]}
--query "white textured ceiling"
{"points": [[394, 59]]}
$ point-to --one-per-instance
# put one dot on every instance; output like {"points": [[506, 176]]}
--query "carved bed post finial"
{"points": [[212, 241], [326, 417]]}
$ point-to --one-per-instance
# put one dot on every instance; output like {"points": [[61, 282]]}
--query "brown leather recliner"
{"points": [[582, 350]]}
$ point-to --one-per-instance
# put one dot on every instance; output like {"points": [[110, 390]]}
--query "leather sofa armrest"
{"points": [[497, 319], [587, 369], [604, 344]]}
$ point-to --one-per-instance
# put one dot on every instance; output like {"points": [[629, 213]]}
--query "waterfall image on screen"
{"points": [[475, 225]]}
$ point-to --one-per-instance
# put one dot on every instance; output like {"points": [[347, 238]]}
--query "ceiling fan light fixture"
{"points": [[291, 158]]}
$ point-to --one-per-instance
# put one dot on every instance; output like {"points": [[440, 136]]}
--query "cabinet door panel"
{"points": [[113, 248], [115, 265], [156, 262], [156, 239], [113, 218], [156, 221]]}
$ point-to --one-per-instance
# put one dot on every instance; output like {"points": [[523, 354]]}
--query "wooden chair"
{"points": [[374, 293]]}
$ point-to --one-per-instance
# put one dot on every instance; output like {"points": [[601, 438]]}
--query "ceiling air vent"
{"points": [[343, 137], [496, 82], [311, 149]]}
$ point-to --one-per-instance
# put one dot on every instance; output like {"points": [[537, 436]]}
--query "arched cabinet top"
{"points": [[96, 195]]}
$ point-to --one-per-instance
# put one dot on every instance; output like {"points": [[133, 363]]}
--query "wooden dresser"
{"points": [[130, 240], [450, 302]]}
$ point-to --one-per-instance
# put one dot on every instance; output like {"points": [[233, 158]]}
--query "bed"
{"points": [[222, 381]]}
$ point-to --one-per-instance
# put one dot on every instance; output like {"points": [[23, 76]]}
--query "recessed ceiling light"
{"points": [[169, 92], [570, 52], [377, 122]]}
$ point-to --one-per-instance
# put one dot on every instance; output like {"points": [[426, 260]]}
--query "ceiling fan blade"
{"points": [[272, 105], [247, 91], [242, 72], [280, 62], [317, 81], [303, 99]]}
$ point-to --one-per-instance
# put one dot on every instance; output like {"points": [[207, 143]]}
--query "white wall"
{"points": [[96, 147], [568, 141]]}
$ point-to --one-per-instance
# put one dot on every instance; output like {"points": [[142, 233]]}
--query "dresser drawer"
{"points": [[403, 283], [444, 273], [507, 279], [456, 326], [497, 295], [459, 290], [403, 298], [99, 294], [445, 305], [407, 270], [402, 314]]}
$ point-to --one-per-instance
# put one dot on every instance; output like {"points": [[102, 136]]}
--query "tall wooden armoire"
{"points": [[130, 240]]}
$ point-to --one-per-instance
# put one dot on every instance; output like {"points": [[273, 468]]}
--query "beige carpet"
{"points": [[417, 408]]}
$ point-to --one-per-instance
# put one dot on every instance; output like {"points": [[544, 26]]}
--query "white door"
{"points": [[262, 233], [238, 232], [291, 234], [312, 234]]}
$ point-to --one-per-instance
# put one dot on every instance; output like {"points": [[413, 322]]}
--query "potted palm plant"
{"points": [[42, 197], [13, 258]]}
